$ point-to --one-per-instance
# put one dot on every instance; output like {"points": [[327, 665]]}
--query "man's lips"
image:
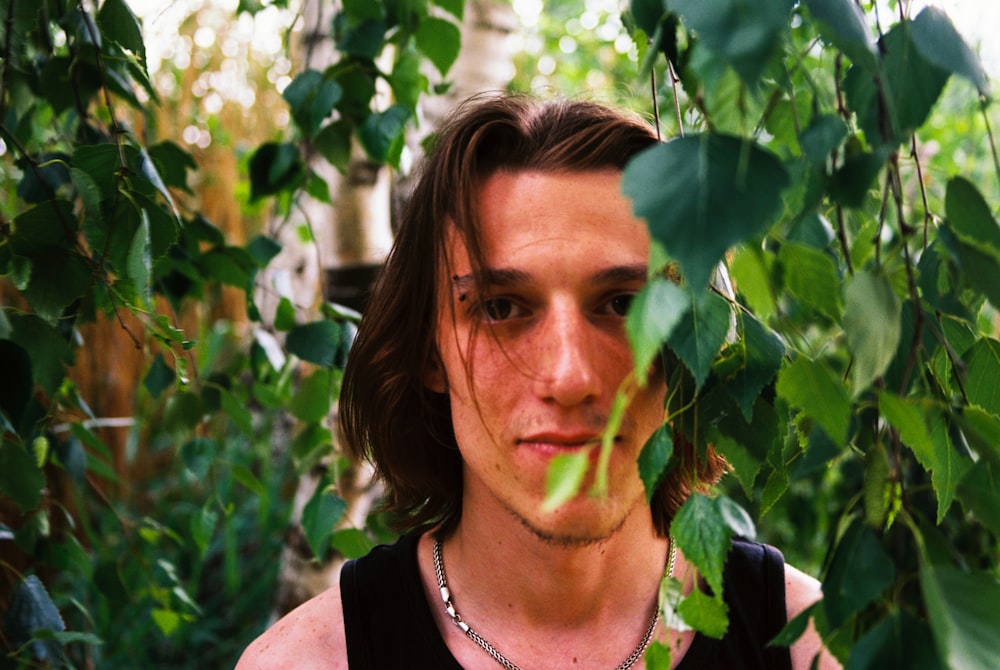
{"points": [[560, 442]]}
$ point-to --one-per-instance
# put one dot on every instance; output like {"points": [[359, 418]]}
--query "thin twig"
{"points": [[923, 189], [656, 103], [677, 102]]}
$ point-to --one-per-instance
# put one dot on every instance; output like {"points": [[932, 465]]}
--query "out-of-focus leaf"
{"points": [[565, 475], [872, 324], [707, 615], [653, 458], [703, 194], [899, 641], [702, 331], [936, 39], [963, 615], [313, 398], [382, 134], [843, 23], [274, 167], [440, 40], [119, 24], [160, 376], [859, 572], [969, 215], [318, 342], [319, 518], [21, 480]]}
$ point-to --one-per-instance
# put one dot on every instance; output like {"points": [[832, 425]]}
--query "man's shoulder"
{"points": [[309, 637]]}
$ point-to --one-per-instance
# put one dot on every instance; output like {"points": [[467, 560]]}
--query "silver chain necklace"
{"points": [[456, 618]]}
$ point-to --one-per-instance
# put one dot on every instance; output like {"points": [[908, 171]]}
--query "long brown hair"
{"points": [[387, 413]]}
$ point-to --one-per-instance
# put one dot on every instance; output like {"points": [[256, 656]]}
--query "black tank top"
{"points": [[388, 622]]}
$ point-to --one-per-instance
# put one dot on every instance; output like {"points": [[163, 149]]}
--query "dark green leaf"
{"points": [[440, 40], [101, 162], [198, 456], [364, 39], [704, 535], [183, 413], [30, 612], [203, 523], [229, 265], [743, 32], [969, 215], [760, 353], [699, 336], [843, 23], [655, 312], [15, 390], [318, 342], [263, 249], [312, 99], [859, 572], [160, 376], [982, 363], [963, 615], [334, 143], [43, 182], [382, 134], [21, 480], [48, 225], [273, 168], [825, 133], [173, 164], [979, 493], [313, 399], [319, 517], [284, 316], [243, 475], [851, 184], [899, 641], [653, 458], [310, 446], [647, 14], [703, 194], [810, 386], [47, 348], [121, 25], [937, 40], [237, 412]]}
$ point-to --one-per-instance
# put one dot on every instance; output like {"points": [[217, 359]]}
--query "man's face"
{"points": [[545, 343]]}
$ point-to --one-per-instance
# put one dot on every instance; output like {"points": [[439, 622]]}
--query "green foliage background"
{"points": [[846, 168]]}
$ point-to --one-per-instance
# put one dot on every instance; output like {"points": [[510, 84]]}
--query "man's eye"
{"points": [[498, 309], [620, 303]]}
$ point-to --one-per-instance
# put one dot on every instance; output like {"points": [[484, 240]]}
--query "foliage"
{"points": [[865, 358], [99, 223]]}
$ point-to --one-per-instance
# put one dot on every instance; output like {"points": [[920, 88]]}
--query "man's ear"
{"points": [[435, 377]]}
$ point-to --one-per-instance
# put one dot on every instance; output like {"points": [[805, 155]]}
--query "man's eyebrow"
{"points": [[506, 277]]}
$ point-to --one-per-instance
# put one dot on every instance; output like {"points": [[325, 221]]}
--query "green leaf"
{"points": [[980, 264], [440, 40], [310, 446], [655, 312], [937, 40], [237, 412], [872, 324], [760, 353], [699, 337], [969, 215], [30, 612], [21, 480], [101, 162], [313, 399], [48, 225], [334, 143], [284, 316], [182, 414], [565, 475], [160, 376], [351, 543], [899, 641], [318, 342], [752, 275], [119, 24], [979, 493], [851, 185], [173, 164], [47, 348], [653, 458], [319, 518], [744, 33], [707, 615], [49, 292], [203, 523], [167, 620], [454, 7], [228, 265], [248, 479], [382, 134], [274, 168], [859, 572], [15, 391], [877, 486], [140, 261], [982, 364], [843, 23], [826, 132], [262, 249], [703, 532], [657, 656], [809, 274], [312, 99], [811, 387], [703, 194], [963, 615], [198, 456]]}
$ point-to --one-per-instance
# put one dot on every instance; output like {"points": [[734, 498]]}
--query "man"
{"points": [[493, 342]]}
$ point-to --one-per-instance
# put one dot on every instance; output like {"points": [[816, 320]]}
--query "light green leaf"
{"points": [[859, 572], [703, 194], [564, 478], [313, 398], [744, 33], [936, 39], [707, 615], [872, 324], [702, 331], [319, 518], [653, 458], [843, 23], [440, 40], [454, 7], [317, 342], [166, 620], [963, 615], [982, 364], [654, 314], [809, 275], [811, 387], [752, 275]]}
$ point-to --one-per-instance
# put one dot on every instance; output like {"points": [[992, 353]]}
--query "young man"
{"points": [[493, 342]]}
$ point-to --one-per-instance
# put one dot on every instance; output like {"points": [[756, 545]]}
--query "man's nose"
{"points": [[567, 361]]}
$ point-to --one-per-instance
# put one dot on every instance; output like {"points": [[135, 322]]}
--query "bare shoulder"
{"points": [[310, 637], [801, 591]]}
